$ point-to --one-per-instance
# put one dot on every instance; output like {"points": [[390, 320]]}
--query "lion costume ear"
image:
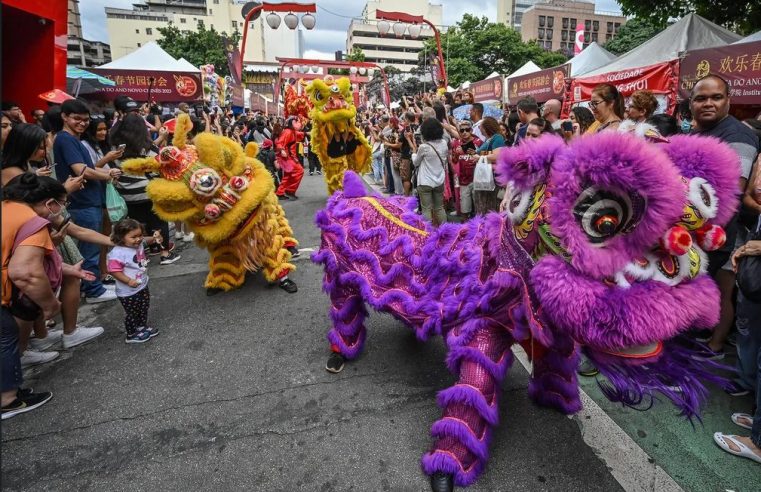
{"points": [[252, 149], [141, 165], [181, 130]]}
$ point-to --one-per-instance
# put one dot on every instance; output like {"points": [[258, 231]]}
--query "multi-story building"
{"points": [[80, 51], [390, 50], [553, 24], [129, 29], [510, 12]]}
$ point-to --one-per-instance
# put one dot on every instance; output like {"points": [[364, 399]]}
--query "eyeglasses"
{"points": [[594, 104], [466, 130]]}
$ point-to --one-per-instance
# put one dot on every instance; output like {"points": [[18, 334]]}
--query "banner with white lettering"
{"points": [[738, 64]]}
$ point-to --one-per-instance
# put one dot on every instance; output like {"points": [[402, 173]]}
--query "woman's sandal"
{"points": [[745, 452], [738, 417]]}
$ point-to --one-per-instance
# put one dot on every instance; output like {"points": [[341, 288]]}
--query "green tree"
{"points": [[742, 16], [632, 34], [202, 47], [475, 47], [356, 55]]}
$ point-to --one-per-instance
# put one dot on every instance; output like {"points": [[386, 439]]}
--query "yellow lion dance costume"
{"points": [[338, 143], [227, 198]]}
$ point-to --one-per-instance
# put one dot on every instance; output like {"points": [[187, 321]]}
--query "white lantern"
{"points": [[308, 21], [295, 68], [383, 27], [353, 70], [291, 20], [414, 30], [303, 69], [273, 20], [315, 68], [362, 70], [399, 29]]}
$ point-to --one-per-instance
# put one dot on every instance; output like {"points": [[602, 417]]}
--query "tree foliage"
{"points": [[399, 84], [201, 47], [742, 16], [632, 34], [356, 55], [475, 47]]}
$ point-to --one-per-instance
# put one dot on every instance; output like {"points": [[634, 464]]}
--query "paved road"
{"points": [[233, 396]]}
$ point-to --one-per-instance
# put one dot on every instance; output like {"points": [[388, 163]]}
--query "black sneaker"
{"points": [[292, 196], [335, 363], [25, 404], [283, 197], [288, 285], [318, 172], [24, 393], [311, 173], [170, 258], [295, 253], [108, 280], [735, 389]]}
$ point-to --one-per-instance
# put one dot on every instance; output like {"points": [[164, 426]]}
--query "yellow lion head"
{"points": [[331, 99], [212, 185]]}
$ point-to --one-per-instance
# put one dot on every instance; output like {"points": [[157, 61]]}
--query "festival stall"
{"points": [[550, 83], [150, 69], [489, 90], [654, 65], [527, 68], [591, 58]]}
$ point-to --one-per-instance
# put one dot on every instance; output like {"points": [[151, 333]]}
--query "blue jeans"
{"points": [[11, 364], [389, 174], [90, 218], [748, 321], [378, 166]]}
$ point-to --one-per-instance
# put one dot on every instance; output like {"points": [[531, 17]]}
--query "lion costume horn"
{"points": [[144, 165]]}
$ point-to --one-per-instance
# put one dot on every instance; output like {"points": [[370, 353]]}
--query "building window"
{"points": [[550, 21], [137, 31], [595, 25], [587, 25], [565, 22], [182, 20], [541, 21], [573, 24], [594, 37], [216, 2], [235, 24], [541, 33], [617, 26], [200, 23], [148, 31], [549, 34], [211, 12], [564, 36], [586, 38], [548, 45], [608, 37], [610, 27], [138, 45]]}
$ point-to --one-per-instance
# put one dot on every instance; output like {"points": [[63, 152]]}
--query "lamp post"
{"points": [[252, 11], [414, 31]]}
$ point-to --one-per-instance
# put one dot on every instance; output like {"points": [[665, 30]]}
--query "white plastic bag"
{"points": [[483, 177]]}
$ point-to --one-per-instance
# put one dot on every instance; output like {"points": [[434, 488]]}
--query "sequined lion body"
{"points": [[335, 139], [227, 199]]}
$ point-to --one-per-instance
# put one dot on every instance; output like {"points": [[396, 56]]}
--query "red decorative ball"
{"points": [[711, 237], [677, 241]]}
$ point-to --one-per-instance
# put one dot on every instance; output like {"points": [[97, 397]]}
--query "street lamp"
{"points": [[415, 21], [252, 11]]}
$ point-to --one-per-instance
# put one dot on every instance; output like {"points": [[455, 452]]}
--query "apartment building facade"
{"points": [[553, 24], [80, 51]]}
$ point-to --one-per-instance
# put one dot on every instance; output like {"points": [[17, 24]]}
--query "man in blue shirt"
{"points": [[86, 205]]}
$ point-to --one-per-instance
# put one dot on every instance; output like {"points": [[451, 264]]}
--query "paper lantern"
{"points": [[291, 20], [414, 30], [362, 70], [315, 68], [399, 29], [273, 20], [383, 27], [353, 70], [308, 21]]}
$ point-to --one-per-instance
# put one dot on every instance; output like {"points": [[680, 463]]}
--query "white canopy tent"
{"points": [[148, 57], [592, 57], [756, 36]]}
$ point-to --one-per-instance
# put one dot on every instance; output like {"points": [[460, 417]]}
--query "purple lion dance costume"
{"points": [[602, 250]]}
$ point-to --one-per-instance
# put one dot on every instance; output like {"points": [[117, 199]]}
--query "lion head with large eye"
{"points": [[331, 99]]}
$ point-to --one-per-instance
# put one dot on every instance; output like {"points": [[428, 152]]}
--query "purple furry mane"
{"points": [[615, 162], [528, 164], [675, 373], [712, 159], [353, 185]]}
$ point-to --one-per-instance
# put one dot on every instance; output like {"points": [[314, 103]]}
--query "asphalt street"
{"points": [[233, 395]]}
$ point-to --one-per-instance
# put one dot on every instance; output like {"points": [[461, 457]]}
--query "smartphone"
{"points": [[567, 126], [63, 224], [468, 146], [121, 147]]}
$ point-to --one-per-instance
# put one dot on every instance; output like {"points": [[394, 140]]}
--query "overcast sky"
{"points": [[333, 18]]}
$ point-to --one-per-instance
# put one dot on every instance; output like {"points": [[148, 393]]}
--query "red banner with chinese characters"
{"points": [[542, 85], [167, 86], [738, 64], [658, 79], [487, 90]]}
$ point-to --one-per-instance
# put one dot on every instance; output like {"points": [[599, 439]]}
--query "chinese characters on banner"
{"points": [[738, 64], [487, 90], [542, 85], [166, 86]]}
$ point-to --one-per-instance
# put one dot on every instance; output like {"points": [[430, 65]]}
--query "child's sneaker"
{"points": [[170, 258], [141, 336], [152, 332]]}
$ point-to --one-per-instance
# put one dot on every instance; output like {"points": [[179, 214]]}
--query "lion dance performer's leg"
{"points": [[480, 353], [333, 169], [280, 244], [226, 271], [553, 380], [348, 313]]}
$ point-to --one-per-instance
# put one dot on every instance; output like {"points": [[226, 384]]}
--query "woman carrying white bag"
{"points": [[485, 190]]}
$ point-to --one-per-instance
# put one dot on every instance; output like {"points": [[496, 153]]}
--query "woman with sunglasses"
{"points": [[465, 157], [607, 104]]}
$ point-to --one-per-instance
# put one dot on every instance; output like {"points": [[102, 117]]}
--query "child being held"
{"points": [[127, 263]]}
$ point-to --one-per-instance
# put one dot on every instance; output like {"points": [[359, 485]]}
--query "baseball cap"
{"points": [[126, 104], [267, 143]]}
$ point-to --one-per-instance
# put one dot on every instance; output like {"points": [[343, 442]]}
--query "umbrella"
{"points": [[80, 81], [56, 96], [463, 112]]}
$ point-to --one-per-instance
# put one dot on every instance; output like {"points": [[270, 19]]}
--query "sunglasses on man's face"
{"points": [[466, 130]]}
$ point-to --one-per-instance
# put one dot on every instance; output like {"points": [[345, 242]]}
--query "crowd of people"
{"points": [[60, 246]]}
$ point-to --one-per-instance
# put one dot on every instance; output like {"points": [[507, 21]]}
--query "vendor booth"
{"points": [[150, 69]]}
